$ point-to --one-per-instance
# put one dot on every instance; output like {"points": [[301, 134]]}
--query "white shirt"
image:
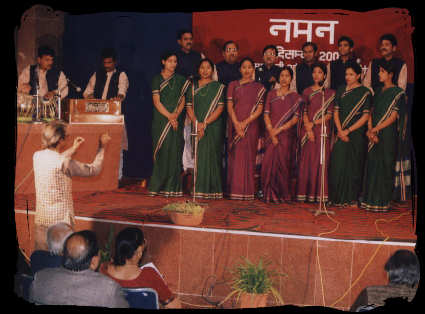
{"points": [[24, 78], [122, 84]]}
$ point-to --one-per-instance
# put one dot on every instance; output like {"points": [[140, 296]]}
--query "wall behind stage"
{"points": [[289, 29], [139, 39]]}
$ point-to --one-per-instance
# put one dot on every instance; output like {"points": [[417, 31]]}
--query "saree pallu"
{"points": [[309, 181], [347, 160], [381, 157], [277, 162], [167, 143], [242, 152], [208, 183]]}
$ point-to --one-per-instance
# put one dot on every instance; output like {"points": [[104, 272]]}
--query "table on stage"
{"points": [[29, 141]]}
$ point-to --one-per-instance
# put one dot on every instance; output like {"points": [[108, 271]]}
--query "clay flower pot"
{"points": [[251, 300], [186, 219]]}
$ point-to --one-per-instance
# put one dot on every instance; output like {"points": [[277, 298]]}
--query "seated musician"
{"points": [[43, 75], [108, 82]]}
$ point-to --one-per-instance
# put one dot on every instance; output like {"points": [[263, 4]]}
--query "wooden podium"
{"points": [[95, 111]]}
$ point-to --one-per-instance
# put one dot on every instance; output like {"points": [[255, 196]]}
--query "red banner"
{"points": [[289, 29]]}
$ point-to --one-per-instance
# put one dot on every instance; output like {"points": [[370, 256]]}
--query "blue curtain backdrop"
{"points": [[139, 40]]}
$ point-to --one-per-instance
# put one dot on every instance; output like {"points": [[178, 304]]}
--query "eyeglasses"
{"points": [[270, 54], [231, 49]]}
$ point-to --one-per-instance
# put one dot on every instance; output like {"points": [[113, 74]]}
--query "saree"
{"points": [[207, 98], [346, 164], [240, 182], [277, 162], [381, 157], [167, 143], [309, 181]]}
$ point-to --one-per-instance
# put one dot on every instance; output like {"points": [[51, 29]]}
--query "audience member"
{"points": [[125, 269], [403, 276], [56, 237], [77, 282]]}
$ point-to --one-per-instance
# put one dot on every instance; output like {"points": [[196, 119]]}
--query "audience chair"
{"points": [[22, 285], [142, 298]]}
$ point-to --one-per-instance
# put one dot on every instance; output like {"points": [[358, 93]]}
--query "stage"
{"points": [[312, 251]]}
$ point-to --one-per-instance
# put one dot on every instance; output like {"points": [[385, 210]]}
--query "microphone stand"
{"points": [[37, 117], [322, 206], [195, 166], [59, 103]]}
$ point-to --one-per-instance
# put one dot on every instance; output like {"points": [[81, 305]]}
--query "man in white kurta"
{"points": [[109, 83]]}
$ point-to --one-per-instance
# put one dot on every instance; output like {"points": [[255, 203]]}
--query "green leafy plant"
{"points": [[186, 207], [248, 277], [105, 252]]}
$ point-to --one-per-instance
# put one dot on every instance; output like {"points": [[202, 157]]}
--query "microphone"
{"points": [[77, 88]]}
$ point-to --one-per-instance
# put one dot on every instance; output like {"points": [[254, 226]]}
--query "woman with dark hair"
{"points": [[382, 149], [403, 272], [351, 113], [168, 89], [318, 105], [204, 105], [244, 105], [281, 115], [130, 245]]}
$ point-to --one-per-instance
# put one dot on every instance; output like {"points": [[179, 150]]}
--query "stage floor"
{"points": [[132, 204]]}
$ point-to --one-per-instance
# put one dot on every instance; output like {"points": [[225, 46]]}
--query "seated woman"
{"points": [[129, 247]]}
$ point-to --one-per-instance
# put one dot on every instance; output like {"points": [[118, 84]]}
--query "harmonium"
{"points": [[94, 111]]}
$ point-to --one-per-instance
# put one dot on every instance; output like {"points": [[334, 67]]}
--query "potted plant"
{"points": [[253, 283], [105, 252], [185, 213]]}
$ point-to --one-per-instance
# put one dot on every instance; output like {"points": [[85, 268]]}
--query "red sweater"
{"points": [[148, 278]]}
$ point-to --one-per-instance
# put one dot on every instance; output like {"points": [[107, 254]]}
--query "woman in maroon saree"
{"points": [[281, 115], [244, 105], [319, 103]]}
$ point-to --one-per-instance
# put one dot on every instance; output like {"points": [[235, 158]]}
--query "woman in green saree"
{"points": [[382, 149], [351, 113], [168, 89], [204, 105]]}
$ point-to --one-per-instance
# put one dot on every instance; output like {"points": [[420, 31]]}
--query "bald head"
{"points": [[79, 250], [56, 236]]}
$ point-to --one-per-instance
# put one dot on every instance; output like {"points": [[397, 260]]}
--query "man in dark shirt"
{"points": [[336, 68], [268, 72], [187, 59], [303, 71], [228, 69]]}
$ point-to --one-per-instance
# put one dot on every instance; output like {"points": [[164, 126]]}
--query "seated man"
{"points": [[403, 275], [56, 236], [77, 282]]}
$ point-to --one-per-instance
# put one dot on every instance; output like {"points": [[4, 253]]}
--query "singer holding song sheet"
{"points": [[43, 76]]}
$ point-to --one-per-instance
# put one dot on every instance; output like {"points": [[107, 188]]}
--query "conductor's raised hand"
{"points": [[104, 139], [77, 142]]}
